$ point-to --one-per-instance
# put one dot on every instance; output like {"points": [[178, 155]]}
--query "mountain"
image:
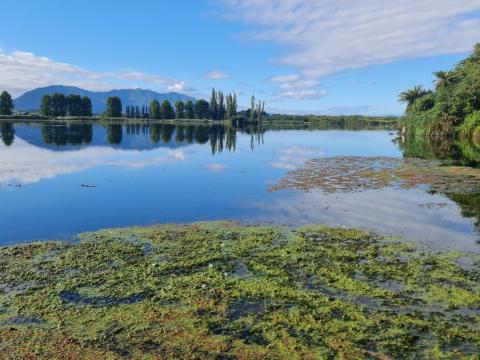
{"points": [[30, 101]]}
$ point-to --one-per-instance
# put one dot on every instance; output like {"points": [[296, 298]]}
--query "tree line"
{"points": [[60, 105], [220, 107]]}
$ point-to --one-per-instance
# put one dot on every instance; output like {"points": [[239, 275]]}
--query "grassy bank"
{"points": [[221, 290]]}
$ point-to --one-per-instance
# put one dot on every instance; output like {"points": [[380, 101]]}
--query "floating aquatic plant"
{"points": [[221, 290]]}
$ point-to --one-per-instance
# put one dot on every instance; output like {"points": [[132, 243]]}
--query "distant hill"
{"points": [[30, 101]]}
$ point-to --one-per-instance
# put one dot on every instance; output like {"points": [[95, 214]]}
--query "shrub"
{"points": [[471, 126]]}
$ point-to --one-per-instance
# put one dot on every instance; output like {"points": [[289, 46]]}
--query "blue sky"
{"points": [[301, 56]]}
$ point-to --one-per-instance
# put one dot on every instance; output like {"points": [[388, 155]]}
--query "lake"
{"points": [[60, 179]]}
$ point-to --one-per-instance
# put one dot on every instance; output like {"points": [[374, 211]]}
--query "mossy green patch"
{"points": [[221, 290]]}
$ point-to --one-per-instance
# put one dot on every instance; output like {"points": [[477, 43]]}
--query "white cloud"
{"points": [[180, 86], [139, 76], [216, 75], [285, 78], [295, 87], [22, 71], [324, 37], [303, 94]]}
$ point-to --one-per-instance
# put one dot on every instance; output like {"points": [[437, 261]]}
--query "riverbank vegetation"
{"points": [[221, 290], [452, 108], [348, 122]]}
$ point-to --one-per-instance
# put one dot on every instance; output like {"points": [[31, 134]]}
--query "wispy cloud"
{"points": [[21, 71], [329, 36], [298, 88], [216, 75]]}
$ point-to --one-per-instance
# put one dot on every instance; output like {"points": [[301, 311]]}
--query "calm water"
{"points": [[62, 179]]}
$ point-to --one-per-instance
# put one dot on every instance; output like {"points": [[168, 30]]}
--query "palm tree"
{"points": [[409, 96], [443, 78]]}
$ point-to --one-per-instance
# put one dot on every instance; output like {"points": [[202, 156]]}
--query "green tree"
{"points": [[442, 78], [180, 109], [234, 104], [154, 110], [229, 106], [167, 110], [189, 110], [221, 106], [6, 103], [114, 107], [74, 105], [213, 105], [59, 104], [252, 108], [86, 104], [411, 95], [202, 109], [46, 105]]}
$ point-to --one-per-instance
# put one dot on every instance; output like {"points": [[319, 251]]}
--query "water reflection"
{"points": [[115, 134], [461, 152], [145, 172], [62, 134], [457, 152], [218, 136], [7, 133]]}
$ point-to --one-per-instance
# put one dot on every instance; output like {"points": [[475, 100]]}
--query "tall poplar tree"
{"points": [[221, 106], [213, 105]]}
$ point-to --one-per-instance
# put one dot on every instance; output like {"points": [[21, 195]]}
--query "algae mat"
{"points": [[355, 173], [226, 291]]}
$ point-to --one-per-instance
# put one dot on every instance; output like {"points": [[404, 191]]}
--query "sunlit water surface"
{"points": [[59, 180]]}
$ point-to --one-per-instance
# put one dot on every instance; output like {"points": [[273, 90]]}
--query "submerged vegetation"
{"points": [[221, 290], [452, 108]]}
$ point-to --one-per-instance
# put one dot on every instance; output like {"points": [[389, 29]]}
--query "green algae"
{"points": [[222, 290]]}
